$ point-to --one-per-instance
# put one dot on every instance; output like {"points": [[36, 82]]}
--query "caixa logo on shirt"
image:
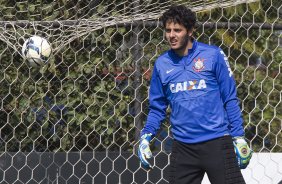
{"points": [[187, 85]]}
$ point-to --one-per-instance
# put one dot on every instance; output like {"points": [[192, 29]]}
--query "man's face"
{"points": [[177, 37]]}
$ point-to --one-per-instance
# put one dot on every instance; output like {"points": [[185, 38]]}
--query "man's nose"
{"points": [[172, 34]]}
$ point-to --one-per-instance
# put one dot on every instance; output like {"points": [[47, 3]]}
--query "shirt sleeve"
{"points": [[157, 105], [227, 87]]}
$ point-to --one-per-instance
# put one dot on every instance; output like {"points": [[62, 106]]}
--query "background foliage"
{"points": [[93, 93]]}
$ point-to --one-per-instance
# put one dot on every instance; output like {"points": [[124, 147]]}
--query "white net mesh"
{"points": [[64, 21], [78, 118]]}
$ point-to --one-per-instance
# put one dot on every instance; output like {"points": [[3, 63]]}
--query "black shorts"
{"points": [[189, 162]]}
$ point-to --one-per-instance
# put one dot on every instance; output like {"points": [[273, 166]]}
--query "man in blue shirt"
{"points": [[196, 81]]}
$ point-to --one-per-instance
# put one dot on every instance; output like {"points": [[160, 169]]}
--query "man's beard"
{"points": [[183, 44]]}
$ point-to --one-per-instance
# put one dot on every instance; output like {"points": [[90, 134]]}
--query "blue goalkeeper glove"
{"points": [[243, 151], [144, 151]]}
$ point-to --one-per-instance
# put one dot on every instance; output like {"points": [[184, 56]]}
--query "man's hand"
{"points": [[243, 152], [144, 151]]}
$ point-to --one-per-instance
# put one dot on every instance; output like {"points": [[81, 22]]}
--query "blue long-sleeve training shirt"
{"points": [[201, 92]]}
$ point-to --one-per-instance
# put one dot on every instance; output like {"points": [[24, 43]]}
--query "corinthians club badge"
{"points": [[198, 65]]}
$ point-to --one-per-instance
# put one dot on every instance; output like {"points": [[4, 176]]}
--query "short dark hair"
{"points": [[180, 14]]}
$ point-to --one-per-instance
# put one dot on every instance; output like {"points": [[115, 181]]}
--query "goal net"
{"points": [[78, 118]]}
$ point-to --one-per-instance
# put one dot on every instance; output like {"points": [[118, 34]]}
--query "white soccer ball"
{"points": [[36, 51]]}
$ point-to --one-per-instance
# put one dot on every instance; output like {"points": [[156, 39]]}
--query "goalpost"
{"points": [[78, 118]]}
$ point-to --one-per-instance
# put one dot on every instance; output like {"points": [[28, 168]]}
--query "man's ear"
{"points": [[190, 32]]}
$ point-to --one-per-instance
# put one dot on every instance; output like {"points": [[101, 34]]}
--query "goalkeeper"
{"points": [[196, 81]]}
